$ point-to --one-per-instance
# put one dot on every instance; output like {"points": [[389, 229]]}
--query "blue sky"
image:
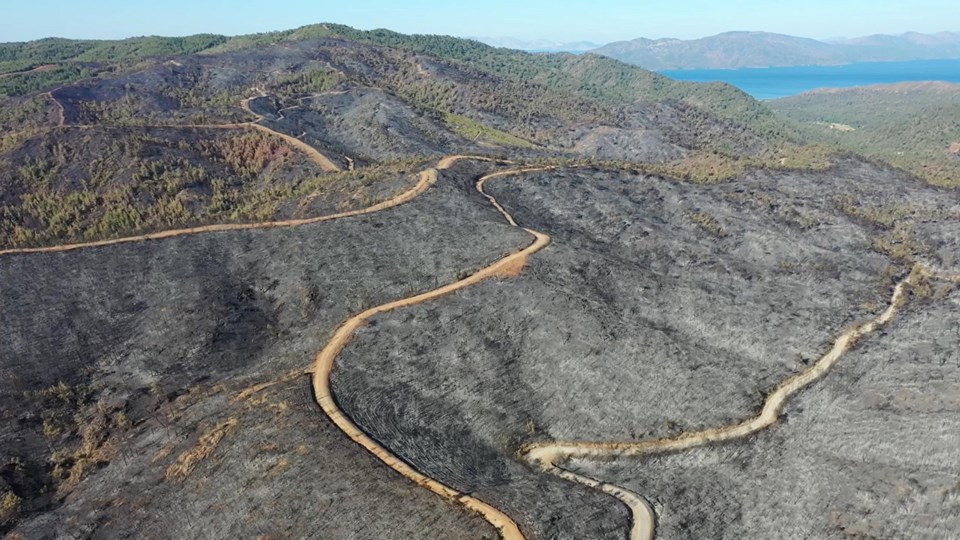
{"points": [[558, 20]]}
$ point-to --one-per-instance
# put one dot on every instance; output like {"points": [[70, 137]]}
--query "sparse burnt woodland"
{"points": [[702, 250]]}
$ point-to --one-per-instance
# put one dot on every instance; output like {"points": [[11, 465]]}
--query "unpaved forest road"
{"points": [[320, 159], [45, 67], [323, 364], [317, 157], [546, 455], [427, 178], [550, 455]]}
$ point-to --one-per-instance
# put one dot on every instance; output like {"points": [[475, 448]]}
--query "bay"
{"points": [[778, 82]]}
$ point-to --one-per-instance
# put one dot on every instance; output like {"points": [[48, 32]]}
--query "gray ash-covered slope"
{"points": [[870, 452], [157, 388], [659, 307], [124, 368], [366, 125], [404, 95]]}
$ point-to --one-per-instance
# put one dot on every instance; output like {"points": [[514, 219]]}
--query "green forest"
{"points": [[914, 130]]}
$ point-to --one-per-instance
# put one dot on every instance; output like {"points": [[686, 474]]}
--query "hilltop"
{"points": [[363, 99], [337, 284]]}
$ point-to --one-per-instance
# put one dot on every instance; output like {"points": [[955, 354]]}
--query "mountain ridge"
{"points": [[190, 226], [749, 49]]}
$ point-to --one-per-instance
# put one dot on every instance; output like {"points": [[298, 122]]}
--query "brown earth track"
{"points": [[326, 362], [321, 160], [549, 455], [427, 178], [315, 155], [546, 455], [45, 67]]}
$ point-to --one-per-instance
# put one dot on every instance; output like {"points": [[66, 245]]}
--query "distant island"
{"points": [[732, 50]]}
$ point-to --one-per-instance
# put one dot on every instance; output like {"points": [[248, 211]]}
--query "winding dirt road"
{"points": [[548, 456], [316, 156], [46, 67], [326, 360], [427, 179], [319, 158]]}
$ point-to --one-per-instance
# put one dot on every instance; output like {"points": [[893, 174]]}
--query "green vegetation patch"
{"points": [[707, 167], [23, 56], [142, 180], [603, 80], [19, 84], [908, 126], [472, 130], [708, 223], [310, 82], [530, 86]]}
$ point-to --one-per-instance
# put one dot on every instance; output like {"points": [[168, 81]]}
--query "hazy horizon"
{"points": [[482, 38], [537, 20], [831, 39]]}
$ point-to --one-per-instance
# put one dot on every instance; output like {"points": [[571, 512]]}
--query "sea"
{"points": [[773, 83]]}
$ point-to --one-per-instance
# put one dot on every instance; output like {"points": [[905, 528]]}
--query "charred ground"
{"points": [[700, 255]]}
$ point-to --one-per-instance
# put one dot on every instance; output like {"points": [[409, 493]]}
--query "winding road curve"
{"points": [[325, 363], [427, 179], [548, 456], [318, 157]]}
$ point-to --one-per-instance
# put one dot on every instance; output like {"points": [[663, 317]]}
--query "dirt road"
{"points": [[46, 67], [426, 179], [324, 362], [548, 456]]}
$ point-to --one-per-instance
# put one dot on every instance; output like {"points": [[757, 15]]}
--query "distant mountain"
{"points": [[909, 46], [538, 44], [733, 50]]}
